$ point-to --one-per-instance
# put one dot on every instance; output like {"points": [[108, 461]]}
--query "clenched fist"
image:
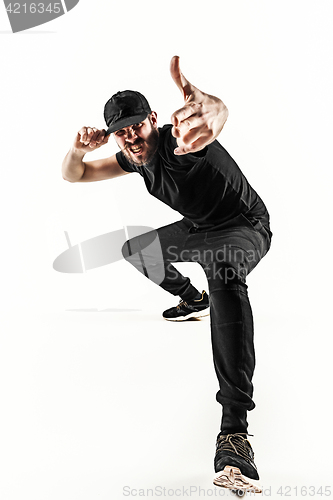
{"points": [[89, 138]]}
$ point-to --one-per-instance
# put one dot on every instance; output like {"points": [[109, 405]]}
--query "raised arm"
{"points": [[200, 120], [74, 169]]}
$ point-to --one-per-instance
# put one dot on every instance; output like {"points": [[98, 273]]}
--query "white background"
{"points": [[95, 401]]}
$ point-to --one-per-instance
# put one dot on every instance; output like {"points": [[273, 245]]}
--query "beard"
{"points": [[150, 144]]}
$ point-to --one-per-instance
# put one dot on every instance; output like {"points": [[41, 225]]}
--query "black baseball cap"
{"points": [[124, 109]]}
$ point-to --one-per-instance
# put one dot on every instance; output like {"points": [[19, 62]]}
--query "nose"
{"points": [[131, 135]]}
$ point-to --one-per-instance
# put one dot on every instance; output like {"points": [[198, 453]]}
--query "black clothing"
{"points": [[226, 230], [227, 256], [207, 187]]}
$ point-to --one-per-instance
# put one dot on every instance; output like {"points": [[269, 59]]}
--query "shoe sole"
{"points": [[233, 479], [198, 314]]}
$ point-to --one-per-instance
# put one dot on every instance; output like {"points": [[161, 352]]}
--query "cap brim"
{"points": [[126, 122]]}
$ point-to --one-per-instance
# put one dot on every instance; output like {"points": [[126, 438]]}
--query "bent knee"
{"points": [[138, 244]]}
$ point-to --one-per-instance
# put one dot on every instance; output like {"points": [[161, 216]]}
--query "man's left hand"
{"points": [[200, 120]]}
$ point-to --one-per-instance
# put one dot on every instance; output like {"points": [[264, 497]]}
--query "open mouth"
{"points": [[136, 150]]}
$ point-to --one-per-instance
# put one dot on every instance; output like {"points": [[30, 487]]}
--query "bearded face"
{"points": [[142, 151], [139, 142]]}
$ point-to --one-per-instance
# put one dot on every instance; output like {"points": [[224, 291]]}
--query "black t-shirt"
{"points": [[207, 187]]}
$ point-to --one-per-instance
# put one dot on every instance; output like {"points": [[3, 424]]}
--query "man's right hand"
{"points": [[201, 119], [88, 139]]}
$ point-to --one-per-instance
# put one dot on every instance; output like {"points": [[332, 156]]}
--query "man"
{"points": [[225, 228]]}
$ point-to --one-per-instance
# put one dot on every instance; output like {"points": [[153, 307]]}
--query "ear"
{"points": [[153, 118]]}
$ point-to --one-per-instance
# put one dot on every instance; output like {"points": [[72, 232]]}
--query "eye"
{"points": [[137, 125], [119, 132]]}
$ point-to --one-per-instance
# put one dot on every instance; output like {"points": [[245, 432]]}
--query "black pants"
{"points": [[227, 257]]}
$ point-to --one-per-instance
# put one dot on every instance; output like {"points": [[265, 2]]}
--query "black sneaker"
{"points": [[186, 310], [234, 464]]}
